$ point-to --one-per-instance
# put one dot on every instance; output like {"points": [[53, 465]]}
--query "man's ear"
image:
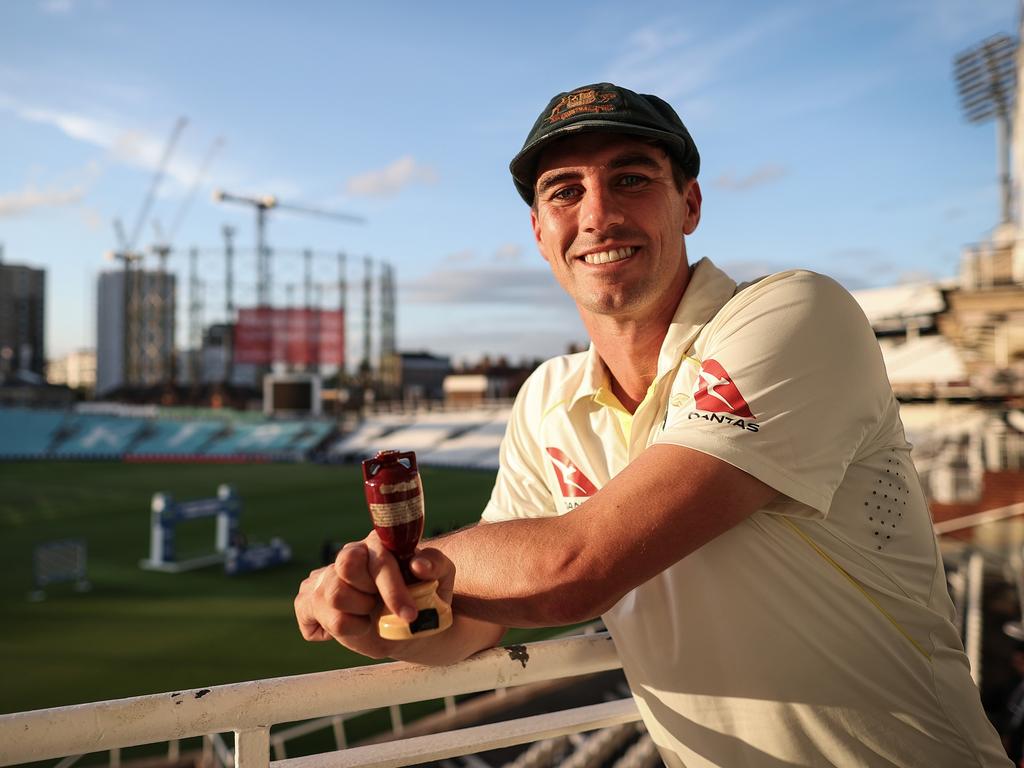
{"points": [[692, 202], [535, 224]]}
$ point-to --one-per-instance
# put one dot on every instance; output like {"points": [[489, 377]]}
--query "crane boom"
{"points": [[262, 206], [320, 212], [158, 178], [218, 143]]}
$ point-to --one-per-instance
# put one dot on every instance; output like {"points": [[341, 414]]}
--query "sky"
{"points": [[830, 134]]}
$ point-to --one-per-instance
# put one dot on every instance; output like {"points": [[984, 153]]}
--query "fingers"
{"points": [[327, 606], [433, 564], [340, 601], [352, 566], [386, 576]]}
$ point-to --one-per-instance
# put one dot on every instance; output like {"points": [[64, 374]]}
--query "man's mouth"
{"points": [[607, 257]]}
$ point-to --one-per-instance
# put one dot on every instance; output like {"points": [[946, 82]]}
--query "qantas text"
{"points": [[722, 418]]}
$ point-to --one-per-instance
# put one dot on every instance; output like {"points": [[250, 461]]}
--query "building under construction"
{"points": [[135, 323]]}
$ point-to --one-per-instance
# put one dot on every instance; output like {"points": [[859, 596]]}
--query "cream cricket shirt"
{"points": [[817, 632]]}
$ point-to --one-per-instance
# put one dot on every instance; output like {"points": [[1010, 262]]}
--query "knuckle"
{"points": [[349, 570], [344, 624]]}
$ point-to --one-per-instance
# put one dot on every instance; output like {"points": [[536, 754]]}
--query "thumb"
{"points": [[433, 564]]}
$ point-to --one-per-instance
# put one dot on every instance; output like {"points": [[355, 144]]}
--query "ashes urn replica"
{"points": [[394, 494]]}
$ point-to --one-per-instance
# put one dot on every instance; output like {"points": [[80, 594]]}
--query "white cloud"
{"points": [[389, 181], [68, 189], [494, 285], [509, 252], [66, 7], [31, 197], [664, 59], [129, 146], [766, 174], [56, 7], [460, 257], [952, 20]]}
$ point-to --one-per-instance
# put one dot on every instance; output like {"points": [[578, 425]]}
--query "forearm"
{"points": [[561, 570], [505, 575]]}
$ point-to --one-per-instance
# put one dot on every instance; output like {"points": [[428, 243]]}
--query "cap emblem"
{"points": [[581, 102]]}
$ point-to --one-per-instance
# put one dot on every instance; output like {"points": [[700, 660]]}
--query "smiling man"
{"points": [[723, 477]]}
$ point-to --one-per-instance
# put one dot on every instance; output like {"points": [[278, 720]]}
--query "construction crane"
{"points": [[162, 244], [127, 254], [263, 205]]}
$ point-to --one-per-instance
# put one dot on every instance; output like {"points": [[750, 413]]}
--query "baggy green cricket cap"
{"points": [[609, 108]]}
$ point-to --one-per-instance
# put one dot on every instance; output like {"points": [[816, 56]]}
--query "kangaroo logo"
{"points": [[573, 482], [718, 393]]}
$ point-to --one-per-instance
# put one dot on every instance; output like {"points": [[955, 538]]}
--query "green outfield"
{"points": [[139, 632]]}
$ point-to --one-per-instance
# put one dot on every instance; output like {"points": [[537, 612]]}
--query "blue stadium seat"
{"points": [[27, 434], [95, 436], [175, 438]]}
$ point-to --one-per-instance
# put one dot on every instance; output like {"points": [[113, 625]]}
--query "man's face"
{"points": [[610, 221]]}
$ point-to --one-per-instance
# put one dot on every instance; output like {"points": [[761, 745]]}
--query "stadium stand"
{"points": [[475, 448], [91, 436], [175, 439], [462, 438], [26, 434], [311, 435], [276, 440], [364, 440]]}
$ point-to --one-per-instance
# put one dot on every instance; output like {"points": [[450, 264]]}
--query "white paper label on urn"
{"points": [[396, 513]]}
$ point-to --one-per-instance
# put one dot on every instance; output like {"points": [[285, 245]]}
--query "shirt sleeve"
{"points": [[791, 384], [520, 489]]}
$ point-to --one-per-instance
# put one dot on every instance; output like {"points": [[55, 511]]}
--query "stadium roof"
{"points": [[924, 360], [893, 306]]}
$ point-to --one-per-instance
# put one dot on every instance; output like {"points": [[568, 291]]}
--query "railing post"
{"points": [[252, 748], [338, 725], [972, 628], [397, 725]]}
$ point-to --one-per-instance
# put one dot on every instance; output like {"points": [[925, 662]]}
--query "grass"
{"points": [[139, 632]]}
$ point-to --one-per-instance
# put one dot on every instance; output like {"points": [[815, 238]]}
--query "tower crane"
{"points": [[129, 256], [263, 205], [162, 245]]}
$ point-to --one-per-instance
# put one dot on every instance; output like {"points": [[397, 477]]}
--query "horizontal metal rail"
{"points": [[250, 708], [440, 746], [979, 518]]}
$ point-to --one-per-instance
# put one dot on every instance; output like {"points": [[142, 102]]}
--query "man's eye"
{"points": [[567, 193], [630, 180]]}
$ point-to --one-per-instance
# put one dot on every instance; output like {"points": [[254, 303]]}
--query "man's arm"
{"points": [[536, 572], [666, 504]]}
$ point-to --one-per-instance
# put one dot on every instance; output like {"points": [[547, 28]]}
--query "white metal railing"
{"points": [[249, 709]]}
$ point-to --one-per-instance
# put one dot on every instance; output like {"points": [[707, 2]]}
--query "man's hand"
{"points": [[338, 600]]}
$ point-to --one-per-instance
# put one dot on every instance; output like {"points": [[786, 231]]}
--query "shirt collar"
{"points": [[707, 292]]}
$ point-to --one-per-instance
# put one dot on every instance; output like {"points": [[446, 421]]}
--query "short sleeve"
{"points": [[520, 489], [790, 384]]}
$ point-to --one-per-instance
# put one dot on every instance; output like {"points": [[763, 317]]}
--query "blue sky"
{"points": [[830, 134]]}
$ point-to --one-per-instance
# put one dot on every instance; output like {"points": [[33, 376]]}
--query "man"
{"points": [[723, 477]]}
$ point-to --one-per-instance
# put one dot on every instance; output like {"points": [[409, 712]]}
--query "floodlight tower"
{"points": [[986, 78]]}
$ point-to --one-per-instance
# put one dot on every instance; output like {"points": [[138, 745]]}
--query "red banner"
{"points": [[267, 335]]}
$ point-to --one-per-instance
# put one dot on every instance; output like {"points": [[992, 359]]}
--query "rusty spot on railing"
{"points": [[200, 694], [518, 653]]}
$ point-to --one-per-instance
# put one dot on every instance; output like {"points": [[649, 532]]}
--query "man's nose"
{"points": [[600, 211]]}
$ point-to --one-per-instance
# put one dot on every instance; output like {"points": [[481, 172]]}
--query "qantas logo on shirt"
{"points": [[717, 392], [573, 482]]}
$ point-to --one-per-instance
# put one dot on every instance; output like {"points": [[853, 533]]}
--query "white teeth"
{"points": [[606, 257]]}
